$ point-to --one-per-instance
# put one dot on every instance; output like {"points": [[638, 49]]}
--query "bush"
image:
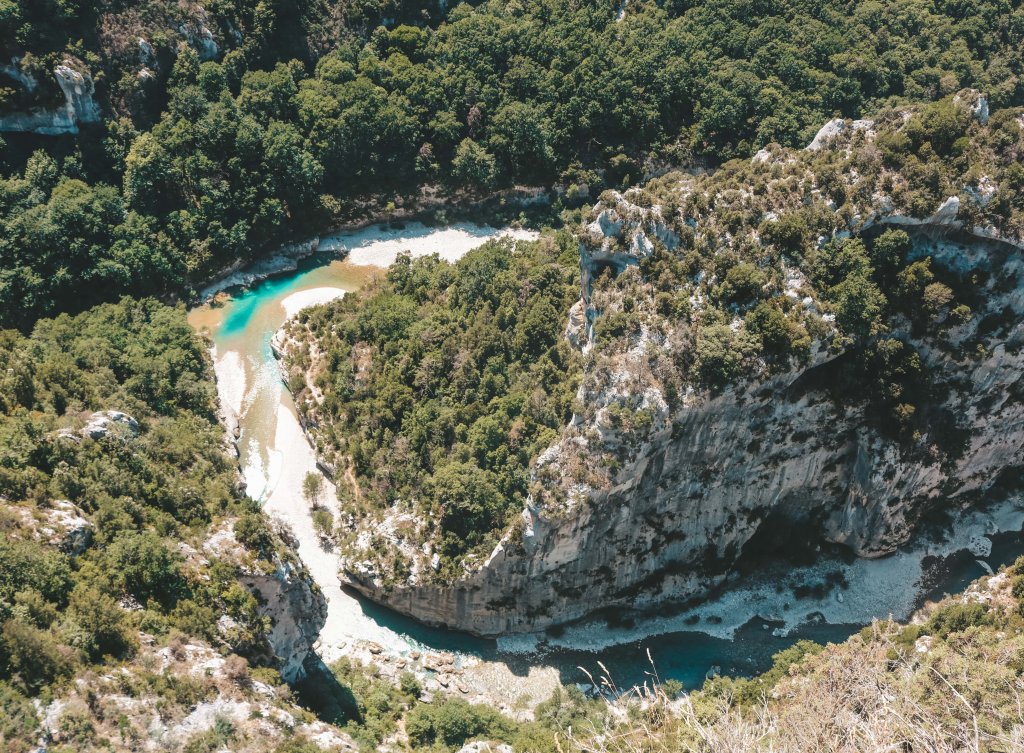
{"points": [[744, 283], [323, 522], [251, 531], [717, 358], [454, 722], [32, 658], [98, 624], [19, 723], [409, 685], [142, 565], [955, 618]]}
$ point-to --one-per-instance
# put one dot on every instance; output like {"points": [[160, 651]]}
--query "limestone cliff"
{"points": [[660, 485], [79, 107], [293, 607]]}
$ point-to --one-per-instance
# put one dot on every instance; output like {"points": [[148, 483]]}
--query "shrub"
{"points": [[251, 531], [717, 358], [955, 618], [32, 658], [744, 283], [142, 565], [454, 722], [323, 522], [98, 622]]}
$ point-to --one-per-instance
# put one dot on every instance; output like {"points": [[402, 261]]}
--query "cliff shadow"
{"points": [[321, 693]]}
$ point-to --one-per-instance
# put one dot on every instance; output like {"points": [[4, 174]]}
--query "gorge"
{"points": [[516, 376], [656, 533], [848, 593]]}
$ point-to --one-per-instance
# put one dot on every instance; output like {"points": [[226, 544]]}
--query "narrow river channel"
{"points": [[759, 615]]}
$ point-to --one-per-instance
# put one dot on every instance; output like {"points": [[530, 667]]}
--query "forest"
{"points": [[308, 114], [229, 128], [441, 386], [120, 496], [442, 382]]}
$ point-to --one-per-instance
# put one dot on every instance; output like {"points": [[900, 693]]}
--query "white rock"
{"points": [[79, 105], [828, 131], [980, 546], [101, 423]]}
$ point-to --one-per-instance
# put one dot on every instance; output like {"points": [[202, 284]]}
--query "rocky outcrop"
{"points": [[781, 462], [80, 106], [61, 524], [102, 422], [197, 34], [297, 611], [68, 528], [286, 593], [776, 462], [255, 710], [830, 131], [243, 274]]}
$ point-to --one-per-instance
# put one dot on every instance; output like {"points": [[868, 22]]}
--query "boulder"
{"points": [[101, 423]]}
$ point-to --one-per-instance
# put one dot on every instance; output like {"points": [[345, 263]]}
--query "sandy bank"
{"points": [[230, 375], [294, 303], [379, 246]]}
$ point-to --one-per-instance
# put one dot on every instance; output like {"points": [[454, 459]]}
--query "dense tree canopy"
{"points": [[309, 109], [142, 494], [443, 382]]}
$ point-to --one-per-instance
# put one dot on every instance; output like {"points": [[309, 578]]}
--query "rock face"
{"points": [[777, 464], [297, 610], [286, 594], [79, 107], [661, 485]]}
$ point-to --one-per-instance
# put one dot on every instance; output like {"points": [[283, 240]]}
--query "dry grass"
{"points": [[876, 693]]}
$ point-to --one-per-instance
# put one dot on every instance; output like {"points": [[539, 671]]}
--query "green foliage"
{"points": [[143, 494], [889, 250], [24, 565], [252, 531], [780, 336], [145, 567], [897, 383], [567, 707], [473, 165], [753, 691], [718, 359], [310, 111], [453, 722], [98, 625], [444, 381], [744, 283], [845, 271], [19, 724], [368, 705], [955, 618], [32, 658]]}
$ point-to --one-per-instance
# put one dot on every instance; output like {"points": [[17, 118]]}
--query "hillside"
{"points": [[197, 136], [869, 280], [772, 315], [136, 580]]}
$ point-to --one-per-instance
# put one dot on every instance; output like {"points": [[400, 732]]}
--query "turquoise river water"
{"points": [[737, 632]]}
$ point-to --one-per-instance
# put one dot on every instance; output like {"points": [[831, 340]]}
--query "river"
{"points": [[760, 614]]}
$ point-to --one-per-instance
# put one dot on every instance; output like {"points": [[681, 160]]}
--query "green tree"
{"points": [[473, 166], [717, 360]]}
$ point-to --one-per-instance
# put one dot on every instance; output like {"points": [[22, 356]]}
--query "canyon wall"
{"points": [[781, 464], [79, 106]]}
